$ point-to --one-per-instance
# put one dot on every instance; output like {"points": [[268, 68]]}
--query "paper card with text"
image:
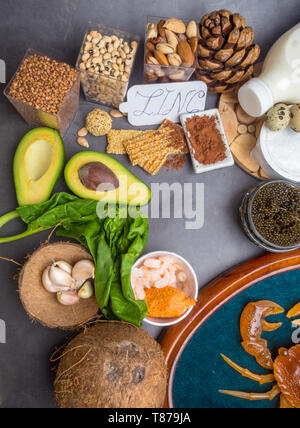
{"points": [[153, 103]]}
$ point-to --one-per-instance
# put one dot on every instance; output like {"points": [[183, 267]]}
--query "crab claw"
{"points": [[253, 396], [262, 379], [287, 374], [295, 312], [271, 326], [252, 325]]}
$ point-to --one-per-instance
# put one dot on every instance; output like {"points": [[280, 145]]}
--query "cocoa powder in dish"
{"points": [[206, 140]]}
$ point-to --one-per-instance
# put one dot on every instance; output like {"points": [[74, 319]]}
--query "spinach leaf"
{"points": [[115, 244]]}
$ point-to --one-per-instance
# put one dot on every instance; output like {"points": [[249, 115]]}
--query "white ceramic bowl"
{"points": [[191, 287], [278, 153]]}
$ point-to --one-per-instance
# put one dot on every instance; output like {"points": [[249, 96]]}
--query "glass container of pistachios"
{"points": [[270, 215], [105, 63]]}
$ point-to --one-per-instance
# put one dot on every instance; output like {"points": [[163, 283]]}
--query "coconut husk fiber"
{"points": [[43, 306], [111, 365]]}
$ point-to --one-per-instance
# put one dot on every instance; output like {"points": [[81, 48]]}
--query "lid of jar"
{"points": [[281, 151], [255, 97]]}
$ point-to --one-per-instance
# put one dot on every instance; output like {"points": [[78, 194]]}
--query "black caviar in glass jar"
{"points": [[276, 214]]}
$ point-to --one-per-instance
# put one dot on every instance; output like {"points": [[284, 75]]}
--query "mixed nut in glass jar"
{"points": [[105, 62], [271, 215], [170, 50]]}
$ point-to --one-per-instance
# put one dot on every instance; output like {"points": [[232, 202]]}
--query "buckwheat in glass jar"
{"points": [[45, 91], [105, 62]]}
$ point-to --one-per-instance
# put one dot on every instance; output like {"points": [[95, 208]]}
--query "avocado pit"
{"points": [[97, 176]]}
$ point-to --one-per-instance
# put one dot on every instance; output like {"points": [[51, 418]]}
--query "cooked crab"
{"points": [[286, 367]]}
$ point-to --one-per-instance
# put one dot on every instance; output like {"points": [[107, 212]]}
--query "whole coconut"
{"points": [[111, 365]]}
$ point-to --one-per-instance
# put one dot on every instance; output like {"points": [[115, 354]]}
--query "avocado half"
{"points": [[93, 175], [38, 163]]}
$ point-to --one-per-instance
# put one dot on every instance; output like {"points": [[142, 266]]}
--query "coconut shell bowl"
{"points": [[193, 348]]}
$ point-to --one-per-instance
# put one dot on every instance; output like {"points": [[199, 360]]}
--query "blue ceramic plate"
{"points": [[201, 372]]}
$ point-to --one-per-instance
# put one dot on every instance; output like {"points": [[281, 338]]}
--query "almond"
{"points": [[176, 25], [150, 77], [186, 54], [82, 132], [159, 73], [150, 46], [191, 29], [172, 38], [161, 57], [160, 28], [152, 60], [165, 48], [174, 59], [83, 142], [194, 44], [179, 75], [155, 40], [116, 113]]}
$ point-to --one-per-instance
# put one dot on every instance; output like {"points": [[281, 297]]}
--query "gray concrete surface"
{"points": [[56, 27]]}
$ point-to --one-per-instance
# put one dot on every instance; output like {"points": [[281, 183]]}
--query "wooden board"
{"points": [[215, 296], [242, 131]]}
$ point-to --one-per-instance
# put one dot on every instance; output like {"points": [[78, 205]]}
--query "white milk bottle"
{"points": [[279, 80]]}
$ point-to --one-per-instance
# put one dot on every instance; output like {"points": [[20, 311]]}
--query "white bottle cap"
{"points": [[255, 97]]}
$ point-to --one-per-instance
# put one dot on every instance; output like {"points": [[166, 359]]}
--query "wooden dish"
{"points": [[213, 297], [242, 131]]}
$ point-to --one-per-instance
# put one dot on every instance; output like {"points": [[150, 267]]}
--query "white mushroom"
{"points": [[82, 271], [68, 298], [60, 277], [49, 285], [86, 291]]}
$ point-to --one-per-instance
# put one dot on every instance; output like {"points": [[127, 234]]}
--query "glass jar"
{"points": [[155, 73], [248, 223], [101, 86], [34, 116]]}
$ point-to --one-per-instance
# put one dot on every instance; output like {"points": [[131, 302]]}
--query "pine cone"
{"points": [[226, 52]]}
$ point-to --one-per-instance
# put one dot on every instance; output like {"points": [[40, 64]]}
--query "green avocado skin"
{"points": [[80, 159], [26, 194]]}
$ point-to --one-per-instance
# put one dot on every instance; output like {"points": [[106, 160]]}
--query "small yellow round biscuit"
{"points": [[98, 122]]}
